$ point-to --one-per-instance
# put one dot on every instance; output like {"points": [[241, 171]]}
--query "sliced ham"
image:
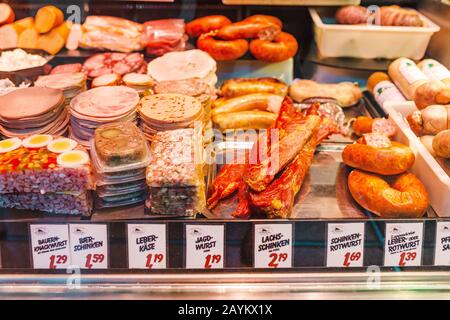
{"points": [[165, 35]]}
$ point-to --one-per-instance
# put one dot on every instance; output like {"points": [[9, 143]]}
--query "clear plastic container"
{"points": [[119, 143], [120, 177], [121, 189], [109, 169], [101, 204]]}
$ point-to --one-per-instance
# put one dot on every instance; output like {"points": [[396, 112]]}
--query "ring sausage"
{"points": [[206, 24], [406, 198], [264, 18], [395, 159], [282, 48], [249, 30], [222, 49]]}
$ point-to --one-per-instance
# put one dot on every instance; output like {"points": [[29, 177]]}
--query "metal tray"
{"points": [[324, 193]]}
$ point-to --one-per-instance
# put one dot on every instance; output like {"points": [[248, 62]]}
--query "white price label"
{"points": [[147, 246], [205, 246], [442, 246], [273, 245], [89, 245], [345, 246], [403, 244], [50, 246]]}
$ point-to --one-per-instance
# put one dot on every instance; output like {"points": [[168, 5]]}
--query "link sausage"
{"points": [[239, 87]]}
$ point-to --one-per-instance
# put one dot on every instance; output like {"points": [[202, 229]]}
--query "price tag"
{"points": [[89, 245], [50, 246], [403, 244], [442, 247], [205, 246], [147, 246], [273, 245], [345, 245]]}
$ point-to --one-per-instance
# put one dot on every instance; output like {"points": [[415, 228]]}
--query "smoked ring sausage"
{"points": [[391, 160], [406, 197], [222, 50], [282, 48], [202, 25]]}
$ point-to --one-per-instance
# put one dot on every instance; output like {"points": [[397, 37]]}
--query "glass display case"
{"points": [[131, 228]]}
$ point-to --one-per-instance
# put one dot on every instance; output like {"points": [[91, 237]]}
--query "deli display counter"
{"points": [[209, 150]]}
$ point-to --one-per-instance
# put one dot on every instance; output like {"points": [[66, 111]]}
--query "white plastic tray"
{"points": [[426, 168], [371, 41]]}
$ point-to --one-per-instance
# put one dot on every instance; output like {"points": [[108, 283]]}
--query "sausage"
{"points": [[245, 120], [206, 24], [415, 122], [242, 86], [435, 70], [406, 198], [362, 125], [249, 30], [441, 144], [430, 93], [352, 15], [264, 18], [221, 49], [395, 159], [406, 76], [282, 48], [253, 101], [430, 121]]}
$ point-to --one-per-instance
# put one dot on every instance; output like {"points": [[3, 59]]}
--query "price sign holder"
{"points": [[89, 245], [147, 245], [273, 245], [49, 246], [403, 244], [442, 244], [345, 244], [204, 245]]}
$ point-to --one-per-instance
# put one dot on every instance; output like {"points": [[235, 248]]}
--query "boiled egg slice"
{"points": [[10, 144], [37, 141], [61, 145], [72, 159]]}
